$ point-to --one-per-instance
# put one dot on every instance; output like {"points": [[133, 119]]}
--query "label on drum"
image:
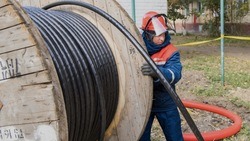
{"points": [[9, 68], [11, 134], [28, 133]]}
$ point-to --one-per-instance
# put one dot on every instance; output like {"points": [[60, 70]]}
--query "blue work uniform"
{"points": [[167, 59]]}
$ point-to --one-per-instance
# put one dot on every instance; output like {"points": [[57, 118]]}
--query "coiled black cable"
{"points": [[126, 33], [86, 69]]}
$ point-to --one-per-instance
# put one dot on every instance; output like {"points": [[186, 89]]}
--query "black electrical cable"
{"points": [[72, 76], [143, 53], [86, 69]]}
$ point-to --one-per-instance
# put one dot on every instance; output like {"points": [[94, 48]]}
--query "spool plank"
{"points": [[135, 94], [132, 125], [29, 87], [22, 107], [14, 38], [8, 17], [20, 62], [4, 3]]}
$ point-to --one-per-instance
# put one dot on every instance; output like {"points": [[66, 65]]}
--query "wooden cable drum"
{"points": [[69, 74]]}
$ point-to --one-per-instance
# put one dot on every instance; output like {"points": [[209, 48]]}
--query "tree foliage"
{"points": [[234, 12], [211, 25], [174, 6]]}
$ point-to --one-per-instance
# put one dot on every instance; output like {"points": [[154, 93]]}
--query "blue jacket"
{"points": [[172, 72], [170, 66]]}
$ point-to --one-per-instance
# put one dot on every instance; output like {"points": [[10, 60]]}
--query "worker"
{"points": [[167, 58]]}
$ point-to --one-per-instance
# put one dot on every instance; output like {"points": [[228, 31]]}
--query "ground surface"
{"points": [[204, 120]]}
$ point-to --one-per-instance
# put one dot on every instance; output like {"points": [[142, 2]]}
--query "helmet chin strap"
{"points": [[150, 35]]}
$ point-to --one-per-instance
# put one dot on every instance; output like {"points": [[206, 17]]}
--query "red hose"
{"points": [[219, 134]]}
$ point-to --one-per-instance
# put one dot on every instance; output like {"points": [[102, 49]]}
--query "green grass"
{"points": [[238, 79], [236, 73], [239, 103], [211, 90], [243, 135], [210, 65]]}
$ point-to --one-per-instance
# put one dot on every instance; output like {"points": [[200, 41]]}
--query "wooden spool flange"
{"points": [[30, 90]]}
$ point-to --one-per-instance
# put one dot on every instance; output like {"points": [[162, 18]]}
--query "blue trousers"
{"points": [[170, 123]]}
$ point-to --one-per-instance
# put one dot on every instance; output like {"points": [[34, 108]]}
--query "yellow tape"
{"points": [[206, 41], [238, 37], [197, 43]]}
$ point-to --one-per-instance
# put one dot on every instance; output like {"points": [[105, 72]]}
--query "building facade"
{"points": [[141, 7], [192, 24]]}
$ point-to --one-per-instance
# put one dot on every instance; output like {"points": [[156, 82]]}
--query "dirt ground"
{"points": [[207, 121]]}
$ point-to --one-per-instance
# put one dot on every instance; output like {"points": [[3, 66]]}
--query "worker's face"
{"points": [[159, 39]]}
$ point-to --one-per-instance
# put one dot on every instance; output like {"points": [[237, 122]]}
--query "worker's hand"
{"points": [[147, 70]]}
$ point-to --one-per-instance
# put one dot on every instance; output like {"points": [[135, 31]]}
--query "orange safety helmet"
{"points": [[154, 22]]}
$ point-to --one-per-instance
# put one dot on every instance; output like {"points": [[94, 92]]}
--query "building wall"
{"points": [[192, 23], [143, 6]]}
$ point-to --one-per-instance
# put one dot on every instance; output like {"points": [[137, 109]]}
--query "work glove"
{"points": [[147, 70]]}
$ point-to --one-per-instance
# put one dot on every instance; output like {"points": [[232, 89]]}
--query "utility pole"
{"points": [[133, 10], [222, 39]]}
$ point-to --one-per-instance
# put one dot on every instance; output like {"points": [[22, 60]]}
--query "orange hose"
{"points": [[219, 134]]}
